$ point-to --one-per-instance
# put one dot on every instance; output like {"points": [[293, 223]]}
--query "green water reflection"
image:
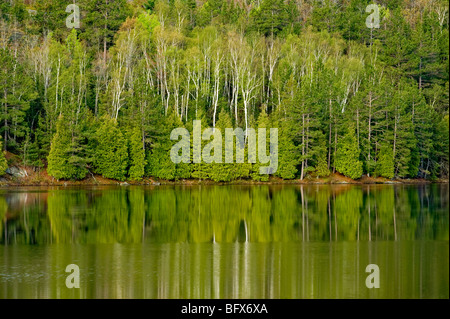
{"points": [[280, 241]]}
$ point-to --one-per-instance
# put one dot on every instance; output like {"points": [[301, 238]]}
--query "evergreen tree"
{"points": [[270, 17], [325, 15], [63, 160], [30, 152], [347, 156], [159, 163], [111, 155], [149, 5], [385, 163], [321, 169], [101, 20], [137, 155], [163, 63], [199, 170], [263, 122], [442, 146], [51, 17], [287, 156], [17, 91], [3, 161], [351, 21], [222, 172]]}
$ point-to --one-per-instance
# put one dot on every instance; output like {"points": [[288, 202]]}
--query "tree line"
{"points": [[345, 98]]}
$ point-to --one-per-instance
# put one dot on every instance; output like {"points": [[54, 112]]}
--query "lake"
{"points": [[233, 241]]}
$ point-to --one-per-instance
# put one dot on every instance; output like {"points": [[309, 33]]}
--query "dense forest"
{"points": [[103, 97]]}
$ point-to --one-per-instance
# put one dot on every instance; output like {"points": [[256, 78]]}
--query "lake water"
{"points": [[278, 241]]}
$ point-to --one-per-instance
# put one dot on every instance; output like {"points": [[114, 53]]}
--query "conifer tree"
{"points": [[3, 161], [17, 91], [391, 82], [347, 156], [64, 160], [137, 155], [321, 169], [270, 17], [222, 171], [199, 170], [111, 155], [287, 155], [263, 122], [385, 163], [159, 163]]}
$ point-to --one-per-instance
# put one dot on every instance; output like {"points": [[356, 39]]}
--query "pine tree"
{"points": [[270, 17], [137, 155], [51, 17], [101, 21], [347, 156]]}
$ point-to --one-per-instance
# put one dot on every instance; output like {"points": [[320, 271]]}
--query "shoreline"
{"points": [[30, 180]]}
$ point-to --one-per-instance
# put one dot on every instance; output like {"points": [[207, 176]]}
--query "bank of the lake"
{"points": [[27, 176]]}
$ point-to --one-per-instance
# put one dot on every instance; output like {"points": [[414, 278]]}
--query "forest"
{"points": [[102, 97]]}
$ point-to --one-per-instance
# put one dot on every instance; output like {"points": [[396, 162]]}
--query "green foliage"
{"points": [[111, 154], [17, 92], [149, 22], [63, 160], [102, 20], [315, 69], [31, 153], [322, 168], [270, 214], [3, 161], [347, 156], [159, 163], [222, 172], [385, 163], [51, 17], [270, 17], [149, 5], [442, 146], [287, 157], [137, 155], [263, 122]]}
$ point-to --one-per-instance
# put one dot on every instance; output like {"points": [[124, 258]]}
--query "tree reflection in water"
{"points": [[279, 241]]}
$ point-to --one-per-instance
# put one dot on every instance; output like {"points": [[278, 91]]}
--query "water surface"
{"points": [[278, 241]]}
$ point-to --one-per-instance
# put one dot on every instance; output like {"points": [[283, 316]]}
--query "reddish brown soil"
{"points": [[38, 177]]}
